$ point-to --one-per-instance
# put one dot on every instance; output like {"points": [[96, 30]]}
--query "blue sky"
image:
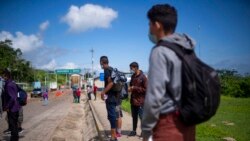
{"points": [[60, 34]]}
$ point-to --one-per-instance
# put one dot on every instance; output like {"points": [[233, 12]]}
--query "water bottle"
{"points": [[105, 96]]}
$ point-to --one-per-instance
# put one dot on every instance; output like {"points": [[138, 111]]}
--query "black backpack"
{"points": [[21, 96], [118, 79], [124, 91], [200, 87]]}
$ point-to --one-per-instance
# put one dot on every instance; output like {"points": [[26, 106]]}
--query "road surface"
{"points": [[59, 120]]}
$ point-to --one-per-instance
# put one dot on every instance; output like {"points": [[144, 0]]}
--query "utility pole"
{"points": [[92, 61], [199, 42]]}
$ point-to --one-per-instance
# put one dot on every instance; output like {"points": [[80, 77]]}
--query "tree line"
{"points": [[232, 83], [21, 69], [12, 59]]}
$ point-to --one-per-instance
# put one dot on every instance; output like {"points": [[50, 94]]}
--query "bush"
{"points": [[235, 86]]}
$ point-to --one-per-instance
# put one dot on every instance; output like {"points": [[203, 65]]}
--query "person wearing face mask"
{"points": [[138, 85], [160, 118]]}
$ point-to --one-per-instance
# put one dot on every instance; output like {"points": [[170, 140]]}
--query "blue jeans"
{"points": [[111, 110], [136, 111]]}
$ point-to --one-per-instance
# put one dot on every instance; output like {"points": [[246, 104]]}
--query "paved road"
{"points": [[40, 121], [63, 120]]}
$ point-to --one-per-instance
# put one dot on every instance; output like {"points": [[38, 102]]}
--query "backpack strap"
{"points": [[185, 55], [110, 70], [182, 54], [179, 50]]}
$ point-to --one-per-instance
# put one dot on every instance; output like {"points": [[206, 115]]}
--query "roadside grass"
{"points": [[126, 105], [231, 120]]}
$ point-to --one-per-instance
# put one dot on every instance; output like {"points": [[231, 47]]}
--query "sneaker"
{"points": [[118, 135], [7, 131], [20, 130], [140, 137], [132, 133]]}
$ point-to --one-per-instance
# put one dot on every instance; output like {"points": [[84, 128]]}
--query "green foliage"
{"points": [[232, 110], [235, 85], [41, 75], [12, 58], [61, 79], [87, 75], [21, 69]]}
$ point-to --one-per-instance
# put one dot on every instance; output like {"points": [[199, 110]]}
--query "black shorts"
{"points": [[118, 111]]}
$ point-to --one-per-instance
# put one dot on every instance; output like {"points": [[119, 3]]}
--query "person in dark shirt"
{"points": [[138, 85], [11, 105], [109, 96]]}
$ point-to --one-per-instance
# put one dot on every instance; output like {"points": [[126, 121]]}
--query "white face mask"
{"points": [[132, 71], [152, 38]]}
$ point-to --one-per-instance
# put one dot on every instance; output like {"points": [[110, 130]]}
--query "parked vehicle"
{"points": [[53, 86], [37, 89]]}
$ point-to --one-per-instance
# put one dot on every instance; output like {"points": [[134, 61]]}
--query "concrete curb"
{"points": [[79, 124], [99, 126]]}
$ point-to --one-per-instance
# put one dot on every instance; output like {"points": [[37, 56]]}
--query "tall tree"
{"points": [[12, 58]]}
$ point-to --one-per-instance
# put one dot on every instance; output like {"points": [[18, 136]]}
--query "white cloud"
{"points": [[26, 43], [50, 66], [43, 26], [5, 35], [34, 50], [70, 65], [89, 16], [46, 58]]}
